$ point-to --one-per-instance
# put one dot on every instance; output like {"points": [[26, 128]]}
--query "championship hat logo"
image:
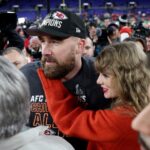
{"points": [[59, 15]]}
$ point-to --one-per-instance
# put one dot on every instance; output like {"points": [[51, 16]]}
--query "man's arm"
{"points": [[101, 125]]}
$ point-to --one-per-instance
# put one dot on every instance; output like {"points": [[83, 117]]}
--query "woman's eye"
{"points": [[105, 75]]}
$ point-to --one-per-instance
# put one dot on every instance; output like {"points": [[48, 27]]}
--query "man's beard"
{"points": [[58, 70]]}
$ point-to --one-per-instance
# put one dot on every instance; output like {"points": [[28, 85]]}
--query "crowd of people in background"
{"points": [[102, 30], [85, 79]]}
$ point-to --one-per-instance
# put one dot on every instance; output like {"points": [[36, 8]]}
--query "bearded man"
{"points": [[62, 35]]}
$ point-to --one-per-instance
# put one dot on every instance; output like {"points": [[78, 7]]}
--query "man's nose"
{"points": [[47, 49]]}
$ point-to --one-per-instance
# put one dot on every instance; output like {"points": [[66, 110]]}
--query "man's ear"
{"points": [[81, 44]]}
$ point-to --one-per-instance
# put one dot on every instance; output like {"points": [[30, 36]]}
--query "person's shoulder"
{"points": [[53, 142], [45, 141], [30, 67]]}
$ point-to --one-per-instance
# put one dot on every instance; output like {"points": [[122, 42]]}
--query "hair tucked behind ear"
{"points": [[129, 68]]}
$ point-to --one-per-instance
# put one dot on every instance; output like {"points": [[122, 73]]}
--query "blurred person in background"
{"points": [[14, 113], [89, 48], [113, 34], [34, 49], [140, 42], [8, 35], [106, 20], [109, 35], [132, 20], [123, 20], [94, 34], [142, 47], [15, 56], [125, 29], [125, 32], [21, 32]]}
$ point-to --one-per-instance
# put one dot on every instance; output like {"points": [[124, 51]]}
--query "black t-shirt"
{"points": [[83, 85]]}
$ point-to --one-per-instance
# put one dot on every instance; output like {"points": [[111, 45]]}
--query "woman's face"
{"points": [[108, 83]]}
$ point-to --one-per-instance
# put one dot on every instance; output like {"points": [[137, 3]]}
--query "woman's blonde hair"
{"points": [[132, 76]]}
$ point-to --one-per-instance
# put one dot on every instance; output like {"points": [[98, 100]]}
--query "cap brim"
{"points": [[42, 32]]}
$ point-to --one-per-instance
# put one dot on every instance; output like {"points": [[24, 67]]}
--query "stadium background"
{"points": [[33, 9]]}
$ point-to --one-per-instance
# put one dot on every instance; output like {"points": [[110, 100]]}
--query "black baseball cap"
{"points": [[123, 18], [60, 23]]}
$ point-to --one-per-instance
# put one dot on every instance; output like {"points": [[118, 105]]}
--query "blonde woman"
{"points": [[124, 78]]}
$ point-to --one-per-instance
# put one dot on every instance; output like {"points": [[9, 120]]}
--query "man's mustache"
{"points": [[49, 59]]}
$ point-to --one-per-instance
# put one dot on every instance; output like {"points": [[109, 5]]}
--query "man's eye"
{"points": [[55, 41], [42, 40], [87, 47]]}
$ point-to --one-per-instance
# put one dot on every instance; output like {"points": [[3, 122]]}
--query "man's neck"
{"points": [[71, 74]]}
